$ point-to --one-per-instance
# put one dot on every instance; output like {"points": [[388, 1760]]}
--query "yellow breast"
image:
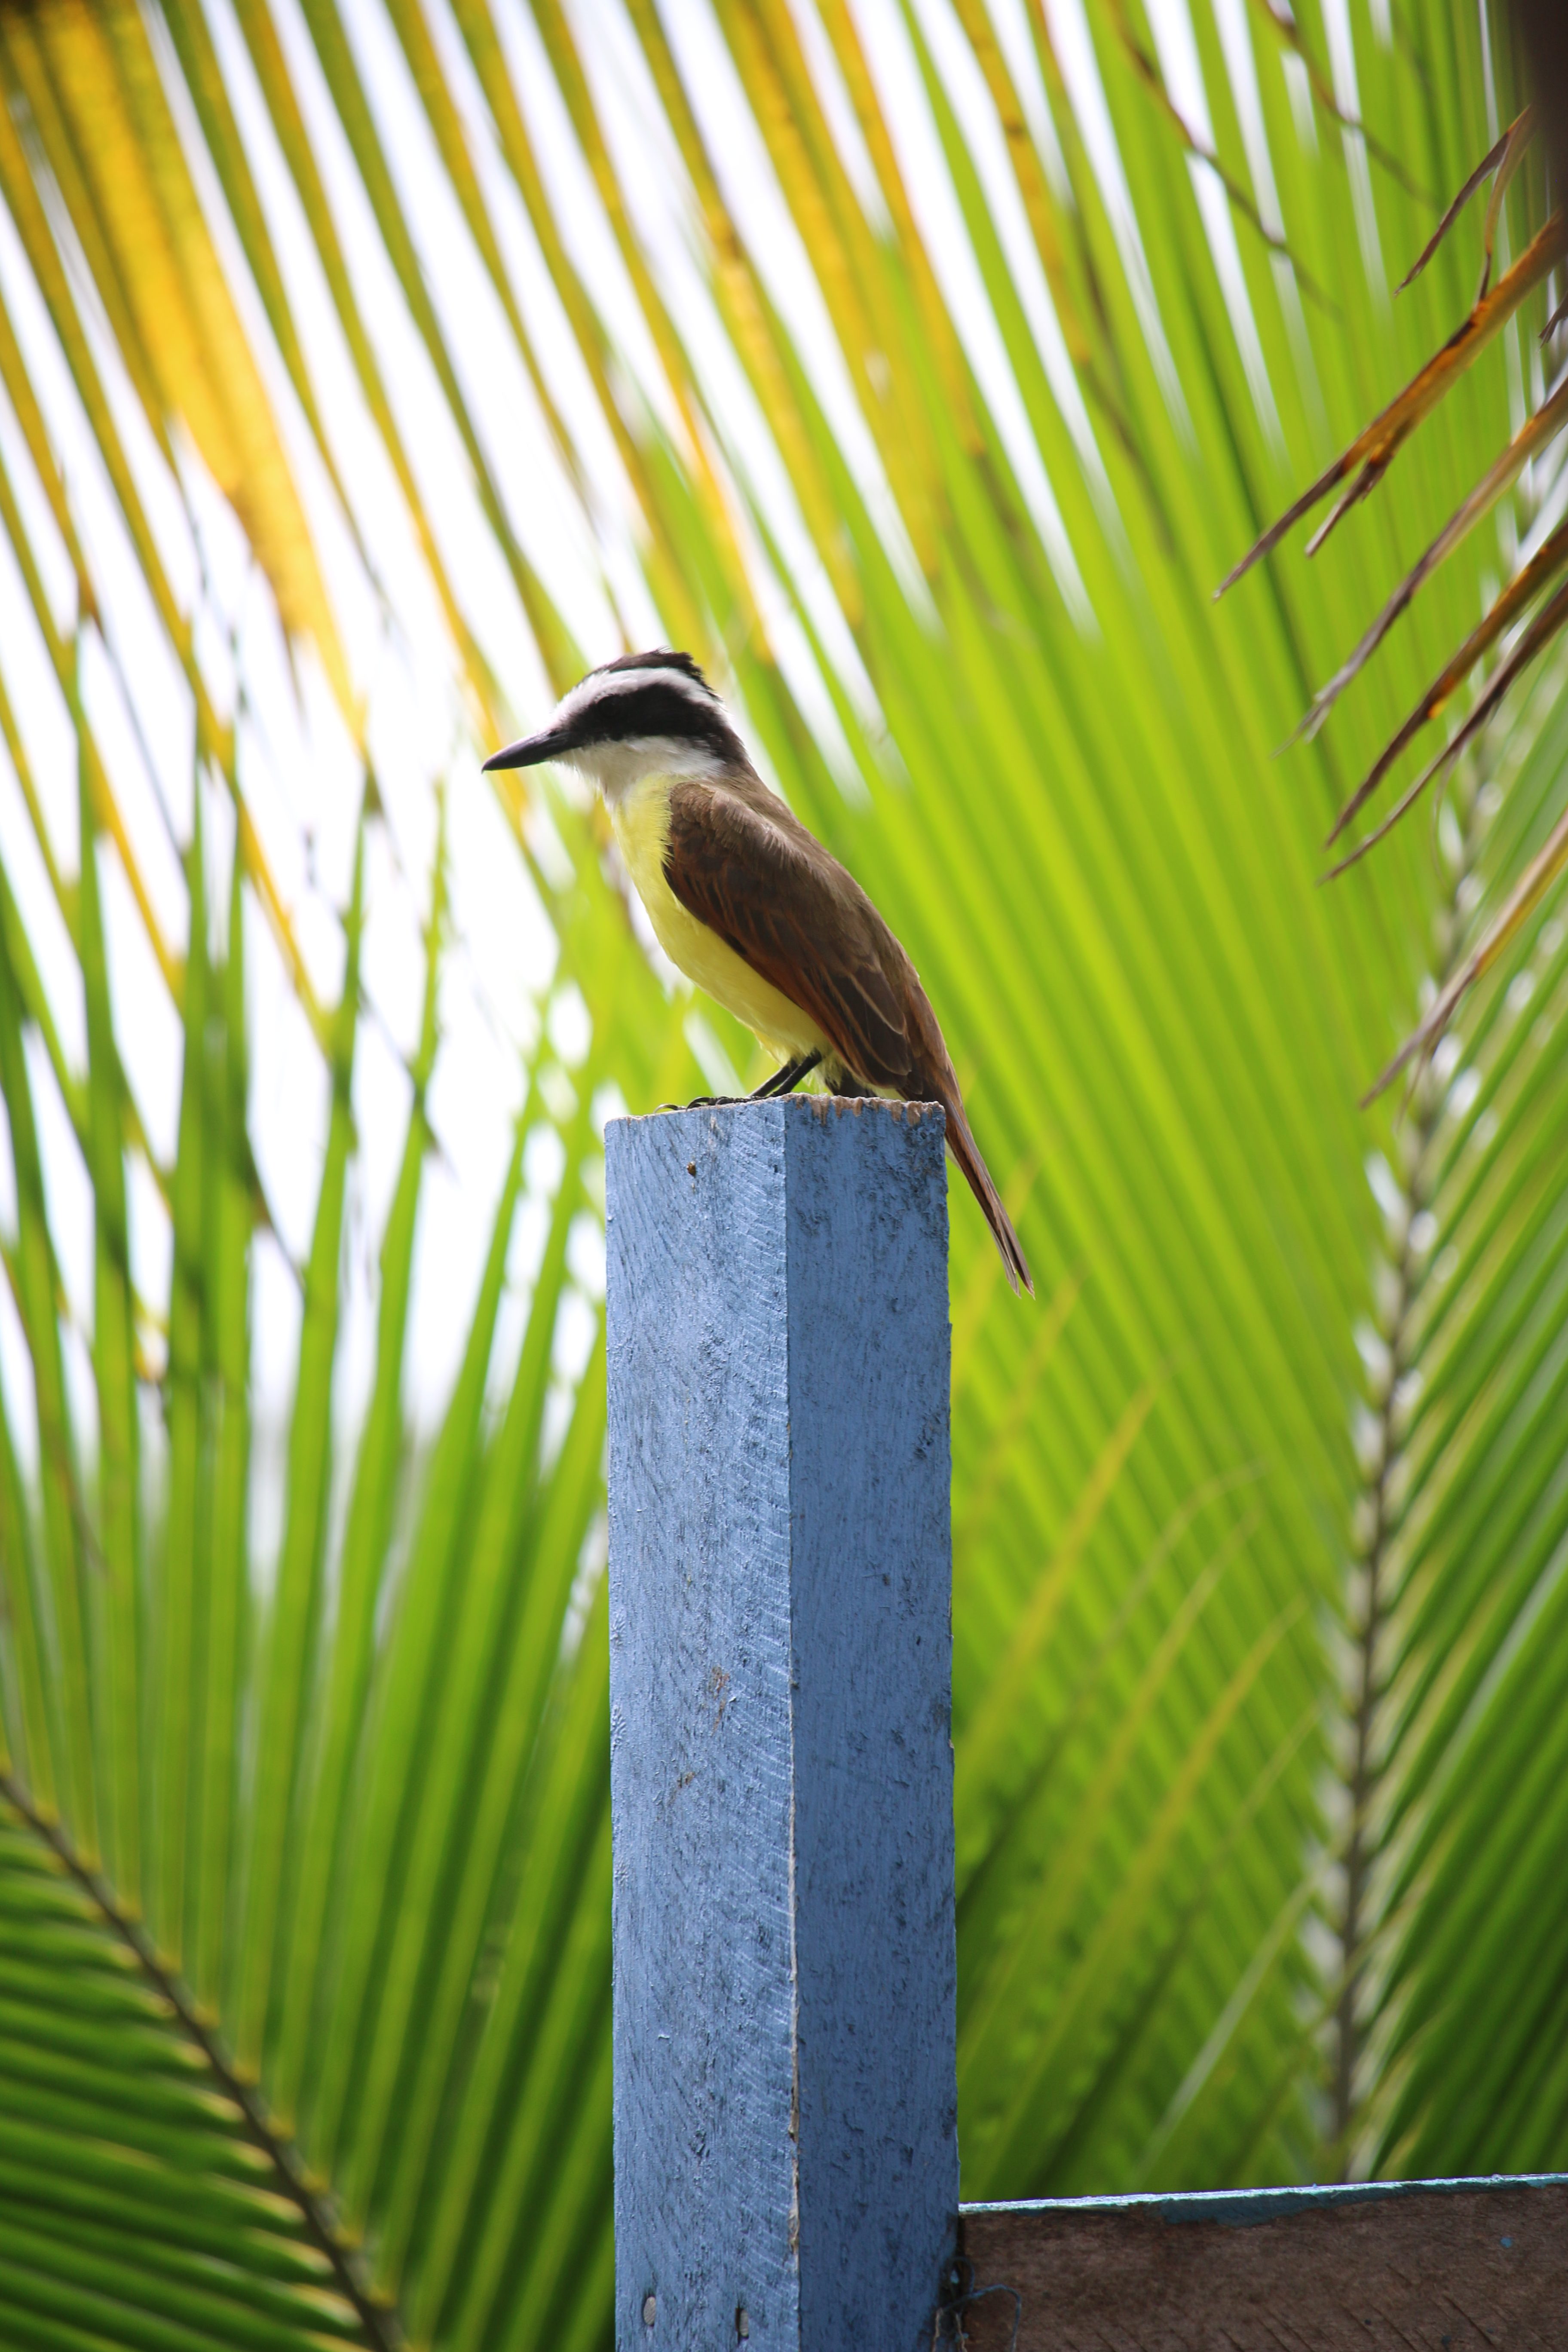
{"points": [[640, 819]]}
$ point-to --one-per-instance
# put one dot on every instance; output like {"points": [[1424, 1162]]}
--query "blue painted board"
{"points": [[786, 2159]]}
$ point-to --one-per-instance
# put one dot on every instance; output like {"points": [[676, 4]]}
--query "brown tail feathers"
{"points": [[966, 1152]]}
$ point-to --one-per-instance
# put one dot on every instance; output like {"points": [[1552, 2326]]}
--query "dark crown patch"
{"points": [[660, 657]]}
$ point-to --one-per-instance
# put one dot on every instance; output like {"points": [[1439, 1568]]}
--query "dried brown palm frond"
{"points": [[1542, 566], [1374, 449], [1361, 467], [1503, 159]]}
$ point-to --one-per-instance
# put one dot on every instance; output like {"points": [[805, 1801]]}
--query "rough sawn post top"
{"points": [[786, 2155]]}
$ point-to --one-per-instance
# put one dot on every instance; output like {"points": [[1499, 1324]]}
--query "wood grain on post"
{"points": [[1414, 2267], [787, 2158]]}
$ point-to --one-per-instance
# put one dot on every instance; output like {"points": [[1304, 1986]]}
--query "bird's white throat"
{"points": [[618, 768]]}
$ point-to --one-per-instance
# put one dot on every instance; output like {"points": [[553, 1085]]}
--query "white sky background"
{"points": [[299, 769]]}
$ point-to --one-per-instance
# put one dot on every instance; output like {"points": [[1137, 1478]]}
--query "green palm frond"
{"points": [[1457, 1632], [923, 375], [141, 2205], [301, 1865]]}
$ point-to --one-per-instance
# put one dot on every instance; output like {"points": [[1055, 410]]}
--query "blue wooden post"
{"points": [[787, 2152]]}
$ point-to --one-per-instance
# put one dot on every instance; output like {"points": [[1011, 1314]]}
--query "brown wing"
{"points": [[745, 866], [774, 894]]}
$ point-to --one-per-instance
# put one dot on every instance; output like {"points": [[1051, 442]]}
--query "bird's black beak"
{"points": [[530, 749]]}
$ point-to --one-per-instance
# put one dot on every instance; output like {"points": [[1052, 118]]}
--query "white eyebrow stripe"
{"points": [[598, 687]]}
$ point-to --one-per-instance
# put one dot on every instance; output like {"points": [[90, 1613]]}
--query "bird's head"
{"points": [[642, 714]]}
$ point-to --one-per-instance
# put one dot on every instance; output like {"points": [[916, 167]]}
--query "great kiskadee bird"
{"points": [[749, 904]]}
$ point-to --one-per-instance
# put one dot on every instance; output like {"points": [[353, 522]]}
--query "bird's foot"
{"points": [[785, 1081]]}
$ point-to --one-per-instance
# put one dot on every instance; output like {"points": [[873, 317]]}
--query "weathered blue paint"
{"points": [[785, 2105], [1247, 2208]]}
